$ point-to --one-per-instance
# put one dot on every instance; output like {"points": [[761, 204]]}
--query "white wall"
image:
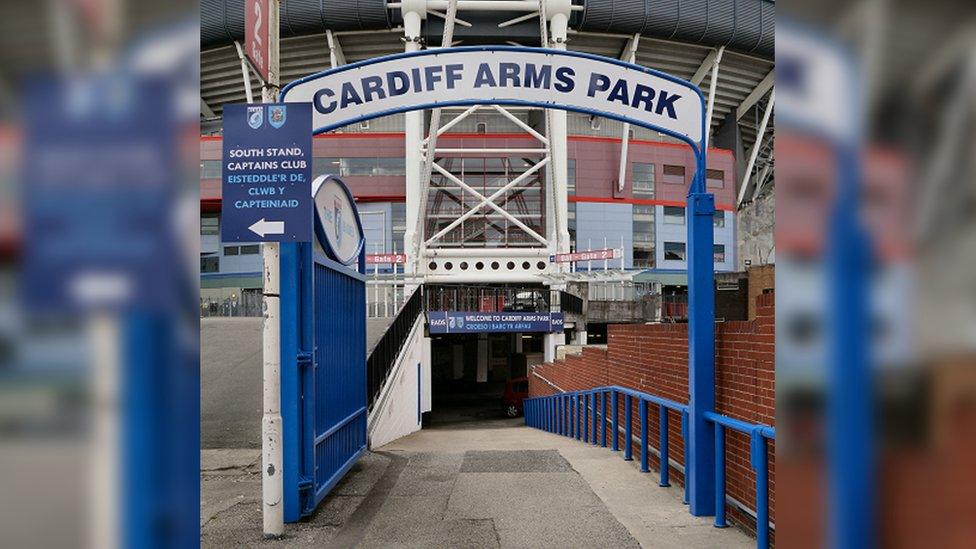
{"points": [[394, 414]]}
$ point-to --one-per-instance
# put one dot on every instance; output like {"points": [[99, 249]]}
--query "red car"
{"points": [[516, 390]]}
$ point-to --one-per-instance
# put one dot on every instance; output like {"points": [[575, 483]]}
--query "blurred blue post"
{"points": [[643, 435], [628, 428], [850, 451], [613, 423], [699, 466], [664, 454], [586, 417]]}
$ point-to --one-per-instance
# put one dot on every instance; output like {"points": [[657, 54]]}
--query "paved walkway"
{"points": [[485, 484]]}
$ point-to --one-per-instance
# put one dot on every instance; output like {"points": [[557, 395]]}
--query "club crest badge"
{"points": [[337, 212], [255, 117], [277, 115]]}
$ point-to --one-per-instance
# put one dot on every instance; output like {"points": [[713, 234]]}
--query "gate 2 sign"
{"points": [[504, 76], [257, 38], [337, 224]]}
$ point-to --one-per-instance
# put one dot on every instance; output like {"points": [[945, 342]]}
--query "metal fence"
{"points": [[491, 299], [247, 304], [384, 355], [589, 415]]}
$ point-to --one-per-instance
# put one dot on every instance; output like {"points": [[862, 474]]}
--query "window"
{"points": [[209, 225], [364, 125], [210, 169], [571, 176], [643, 179], [209, 263], [250, 249], [674, 251], [398, 216], [715, 179], [644, 258], [674, 175], [674, 215], [364, 166], [595, 123], [481, 127], [643, 227], [718, 218], [718, 252]]}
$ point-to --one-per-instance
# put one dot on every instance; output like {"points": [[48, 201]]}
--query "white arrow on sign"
{"points": [[262, 227]]}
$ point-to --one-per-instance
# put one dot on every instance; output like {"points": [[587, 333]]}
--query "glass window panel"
{"points": [[674, 251], [232, 250], [209, 225], [674, 215], [210, 169], [715, 178]]}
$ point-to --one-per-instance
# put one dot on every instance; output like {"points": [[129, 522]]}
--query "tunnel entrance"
{"points": [[478, 377]]}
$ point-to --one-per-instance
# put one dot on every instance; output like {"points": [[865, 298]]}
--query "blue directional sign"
{"points": [[267, 173], [469, 322]]}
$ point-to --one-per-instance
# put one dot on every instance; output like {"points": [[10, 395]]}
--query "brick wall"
{"points": [[653, 358]]}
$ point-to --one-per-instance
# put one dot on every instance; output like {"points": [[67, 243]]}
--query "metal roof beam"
{"points": [[757, 93], [205, 109], [705, 66]]}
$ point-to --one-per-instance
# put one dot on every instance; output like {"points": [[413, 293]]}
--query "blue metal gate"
{"points": [[323, 373]]}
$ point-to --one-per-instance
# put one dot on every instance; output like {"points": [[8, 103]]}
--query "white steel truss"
{"points": [[433, 180]]}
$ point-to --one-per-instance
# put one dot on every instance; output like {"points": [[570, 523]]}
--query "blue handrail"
{"points": [[576, 414]]}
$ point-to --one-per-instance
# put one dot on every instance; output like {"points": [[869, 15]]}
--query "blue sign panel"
{"points": [[98, 191], [468, 322], [267, 173]]}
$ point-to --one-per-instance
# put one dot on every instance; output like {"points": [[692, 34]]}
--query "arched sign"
{"points": [[571, 81], [338, 228], [503, 75]]}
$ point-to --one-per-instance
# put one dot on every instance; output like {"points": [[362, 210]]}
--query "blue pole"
{"points": [[613, 404], [699, 466], [643, 435], [850, 421], [628, 428], [603, 419], [665, 454], [762, 489], [720, 477]]}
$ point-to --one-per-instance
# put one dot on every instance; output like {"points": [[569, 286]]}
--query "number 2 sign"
{"points": [[256, 35]]}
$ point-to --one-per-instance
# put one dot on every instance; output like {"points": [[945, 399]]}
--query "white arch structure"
{"points": [[549, 79]]}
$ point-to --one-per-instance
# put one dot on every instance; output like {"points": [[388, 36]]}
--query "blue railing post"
{"points": [[593, 436], [628, 428], [603, 419], [663, 447], [720, 477], [643, 435], [579, 415], [684, 438], [759, 463], [613, 423], [560, 420]]}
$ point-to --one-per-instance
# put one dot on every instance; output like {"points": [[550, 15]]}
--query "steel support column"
{"points": [[699, 467]]}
